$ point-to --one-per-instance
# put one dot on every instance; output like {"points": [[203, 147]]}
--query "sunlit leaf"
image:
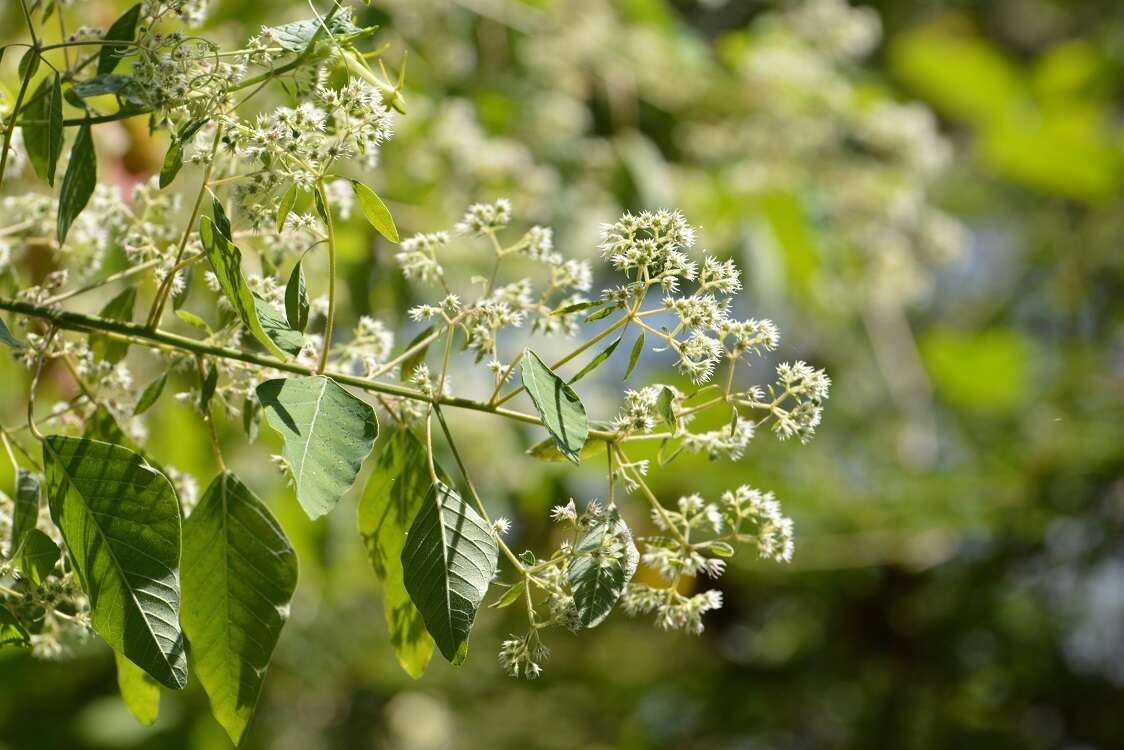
{"points": [[605, 559], [140, 692], [378, 215], [562, 412]]}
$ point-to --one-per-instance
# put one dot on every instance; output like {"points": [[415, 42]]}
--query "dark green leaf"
{"points": [[140, 692], [44, 141], [173, 159], [239, 576], [124, 29], [634, 356], [102, 426], [328, 434], [226, 261], [277, 328], [121, 523], [222, 222], [378, 215], [12, 631], [118, 308], [78, 182], [25, 514], [37, 556], [664, 407], [150, 395], [29, 64], [207, 387], [398, 487], [251, 417], [604, 562], [448, 561], [561, 410], [596, 361], [296, 299], [7, 337]]}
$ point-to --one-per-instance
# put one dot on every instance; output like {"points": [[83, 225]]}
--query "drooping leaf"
{"points": [[596, 362], [118, 308], [7, 337], [239, 576], [44, 141], [12, 631], [37, 555], [124, 29], [151, 394], [448, 561], [210, 380], [120, 520], [397, 489], [288, 200], [140, 692], [226, 262], [562, 412], [78, 182], [605, 559], [173, 159], [296, 299], [634, 355], [328, 434], [378, 215], [26, 511]]}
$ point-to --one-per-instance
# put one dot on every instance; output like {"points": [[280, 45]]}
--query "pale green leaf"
{"points": [[605, 560], [448, 561], [514, 591], [12, 631], [328, 434], [120, 520], [378, 215], [195, 321], [239, 576], [140, 692], [561, 410], [398, 487]]}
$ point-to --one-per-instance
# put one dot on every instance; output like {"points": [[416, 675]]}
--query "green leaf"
{"points": [[121, 523], [25, 514], [397, 489], [29, 64], [378, 215], [140, 692], [12, 631], [295, 37], [222, 221], [288, 200], [634, 356], [37, 556], [547, 450], [411, 363], [195, 321], [151, 394], [596, 361], [44, 142], [296, 299], [118, 308], [173, 159], [124, 29], [210, 381], [448, 562], [664, 407], [328, 434], [561, 410], [78, 182], [602, 313], [251, 417], [126, 87], [102, 426], [604, 561], [239, 576], [226, 262], [7, 337], [514, 591], [578, 307]]}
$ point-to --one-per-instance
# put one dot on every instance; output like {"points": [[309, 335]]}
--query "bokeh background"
{"points": [[926, 197]]}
